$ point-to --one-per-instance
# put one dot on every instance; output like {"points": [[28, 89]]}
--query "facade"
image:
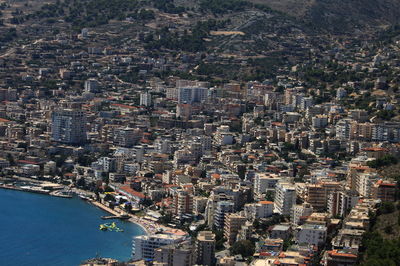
{"points": [[341, 202], [69, 126], [262, 209], [192, 94], [145, 99], [317, 194], [126, 137], [183, 202], [143, 247], [285, 198], [221, 210], [233, 223], [311, 234], [175, 254], [264, 182], [205, 248], [300, 212], [384, 191]]}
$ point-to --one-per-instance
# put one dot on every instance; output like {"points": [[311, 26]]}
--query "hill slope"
{"points": [[340, 15]]}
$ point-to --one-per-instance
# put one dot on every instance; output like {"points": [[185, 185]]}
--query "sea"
{"points": [[38, 229]]}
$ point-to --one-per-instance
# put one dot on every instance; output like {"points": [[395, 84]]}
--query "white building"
{"points": [[143, 247], [126, 137], [91, 85], [69, 126], [262, 209], [264, 182], [311, 234], [192, 94], [320, 121], [145, 99], [285, 198], [299, 211]]}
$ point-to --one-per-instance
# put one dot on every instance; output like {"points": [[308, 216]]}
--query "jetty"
{"points": [[121, 217]]}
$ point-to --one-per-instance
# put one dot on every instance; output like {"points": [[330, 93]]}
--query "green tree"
{"points": [[245, 248]]}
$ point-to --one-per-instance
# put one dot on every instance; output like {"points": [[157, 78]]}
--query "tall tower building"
{"points": [[205, 248], [69, 126], [145, 99], [183, 202], [285, 198]]}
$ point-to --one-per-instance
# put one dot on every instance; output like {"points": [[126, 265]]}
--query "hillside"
{"points": [[340, 15]]}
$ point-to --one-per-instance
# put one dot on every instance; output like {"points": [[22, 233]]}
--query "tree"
{"points": [[81, 182], [109, 197], [245, 248], [166, 218]]}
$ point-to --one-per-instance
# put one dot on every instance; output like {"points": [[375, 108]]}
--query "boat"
{"points": [[84, 197]]}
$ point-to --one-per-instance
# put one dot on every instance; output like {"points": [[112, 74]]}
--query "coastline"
{"points": [[63, 221], [133, 218], [147, 227]]}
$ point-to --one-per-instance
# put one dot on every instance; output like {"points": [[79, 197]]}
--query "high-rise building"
{"points": [[91, 85], [126, 137], [300, 212], [384, 190], [233, 223], [144, 246], [285, 198], [264, 182], [145, 99], [262, 209], [317, 194], [175, 254], [183, 202], [341, 202], [192, 94], [205, 248], [222, 208], [69, 126]]}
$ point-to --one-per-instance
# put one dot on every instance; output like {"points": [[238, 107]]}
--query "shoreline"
{"points": [[146, 226], [147, 229], [116, 213]]}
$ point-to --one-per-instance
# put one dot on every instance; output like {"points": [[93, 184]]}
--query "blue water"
{"points": [[44, 230]]}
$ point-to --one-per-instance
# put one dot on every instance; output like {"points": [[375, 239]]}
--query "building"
{"points": [[384, 190], [91, 85], [311, 234], [300, 213], [192, 94], [282, 231], [319, 121], [341, 202], [145, 99], [264, 182], [126, 137], [205, 248], [144, 246], [69, 126], [361, 131], [199, 205], [285, 198], [221, 210], [317, 194], [183, 202], [262, 209], [342, 257], [175, 254], [233, 223]]}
